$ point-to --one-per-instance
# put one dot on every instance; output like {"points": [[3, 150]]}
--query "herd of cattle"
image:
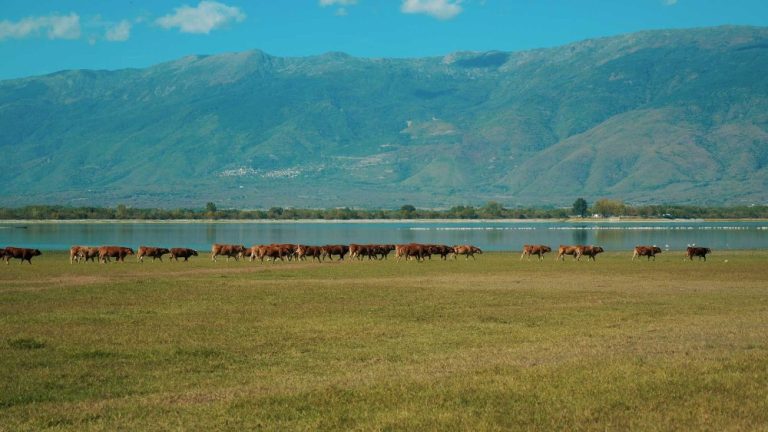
{"points": [[282, 252]]}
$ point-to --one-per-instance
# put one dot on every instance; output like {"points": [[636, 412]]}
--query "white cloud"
{"points": [[440, 9], [669, 2], [120, 32], [325, 3], [207, 16], [342, 12], [54, 26]]}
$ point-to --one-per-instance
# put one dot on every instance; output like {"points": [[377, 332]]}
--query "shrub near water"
{"points": [[492, 344]]}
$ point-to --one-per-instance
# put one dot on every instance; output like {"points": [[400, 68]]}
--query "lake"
{"points": [[488, 235]]}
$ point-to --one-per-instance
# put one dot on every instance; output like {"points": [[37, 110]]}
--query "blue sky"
{"points": [[43, 36]]}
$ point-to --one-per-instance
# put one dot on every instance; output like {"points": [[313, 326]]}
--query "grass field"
{"points": [[492, 344]]}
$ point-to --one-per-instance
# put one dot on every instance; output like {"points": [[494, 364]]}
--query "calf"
{"points": [[23, 254]]}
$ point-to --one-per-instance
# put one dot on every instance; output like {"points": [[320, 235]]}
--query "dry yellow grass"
{"points": [[492, 344]]}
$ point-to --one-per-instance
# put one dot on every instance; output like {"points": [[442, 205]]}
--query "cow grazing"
{"points": [[589, 251], [700, 252], [117, 252], [538, 250], [564, 250], [23, 254], [466, 250], [227, 250], [149, 251], [185, 253], [646, 251]]}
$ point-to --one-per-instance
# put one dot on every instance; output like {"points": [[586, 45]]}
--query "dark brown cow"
{"points": [[185, 253], [331, 250], [227, 250], [442, 250], [466, 250], [303, 251], [538, 250], [564, 250], [149, 251], [700, 252], [117, 252], [589, 251], [23, 254], [646, 251], [384, 250]]}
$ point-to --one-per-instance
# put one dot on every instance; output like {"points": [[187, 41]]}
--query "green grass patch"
{"points": [[491, 344]]}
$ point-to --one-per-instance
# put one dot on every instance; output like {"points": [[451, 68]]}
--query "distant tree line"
{"points": [[491, 210]]}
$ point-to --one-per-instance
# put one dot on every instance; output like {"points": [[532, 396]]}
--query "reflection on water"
{"points": [[487, 235]]}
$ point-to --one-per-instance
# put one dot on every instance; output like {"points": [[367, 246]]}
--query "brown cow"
{"points": [[466, 250], [185, 253], [117, 252], [331, 250], [272, 251], [23, 254], [303, 251], [646, 251], [74, 254], [700, 252], [227, 250], [442, 250], [538, 250], [149, 251], [589, 251], [89, 253], [564, 250]]}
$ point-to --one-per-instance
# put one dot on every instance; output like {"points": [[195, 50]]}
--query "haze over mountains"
{"points": [[654, 117]]}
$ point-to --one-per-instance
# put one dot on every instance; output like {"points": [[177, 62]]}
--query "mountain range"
{"points": [[666, 116]]}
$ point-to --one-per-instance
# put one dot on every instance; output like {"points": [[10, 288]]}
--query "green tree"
{"points": [[407, 211], [492, 210], [609, 207], [580, 207]]}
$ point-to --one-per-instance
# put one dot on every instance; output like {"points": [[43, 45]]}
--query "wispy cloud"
{"points": [[669, 2], [440, 9], [119, 32], [325, 3], [53, 26], [205, 17], [342, 10]]}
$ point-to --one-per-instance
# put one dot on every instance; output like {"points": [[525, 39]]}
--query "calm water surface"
{"points": [[673, 235]]}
